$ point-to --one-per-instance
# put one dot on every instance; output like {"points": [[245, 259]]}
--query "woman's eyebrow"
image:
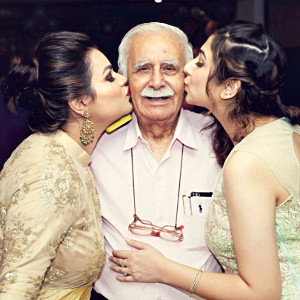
{"points": [[107, 68], [203, 53]]}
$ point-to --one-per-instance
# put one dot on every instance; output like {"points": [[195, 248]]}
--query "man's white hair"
{"points": [[150, 28]]}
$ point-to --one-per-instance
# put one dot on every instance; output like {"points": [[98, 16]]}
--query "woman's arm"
{"points": [[251, 192]]}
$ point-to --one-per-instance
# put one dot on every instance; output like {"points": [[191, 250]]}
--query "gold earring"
{"points": [[87, 129]]}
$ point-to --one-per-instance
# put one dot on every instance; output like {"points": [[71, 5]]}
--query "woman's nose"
{"points": [[122, 80], [188, 69]]}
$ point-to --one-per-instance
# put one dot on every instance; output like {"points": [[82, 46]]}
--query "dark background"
{"points": [[23, 22]]}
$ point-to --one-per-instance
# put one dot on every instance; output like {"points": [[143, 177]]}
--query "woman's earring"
{"points": [[87, 133]]}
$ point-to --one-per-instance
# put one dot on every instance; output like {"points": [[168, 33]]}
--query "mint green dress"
{"points": [[273, 144]]}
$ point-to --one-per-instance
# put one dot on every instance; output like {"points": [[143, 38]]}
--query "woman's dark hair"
{"points": [[60, 72], [244, 52]]}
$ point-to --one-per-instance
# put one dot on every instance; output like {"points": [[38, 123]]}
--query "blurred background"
{"points": [[23, 22]]}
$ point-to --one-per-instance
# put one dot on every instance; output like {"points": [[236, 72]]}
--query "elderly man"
{"points": [[160, 167]]}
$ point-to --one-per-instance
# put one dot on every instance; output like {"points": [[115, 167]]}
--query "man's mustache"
{"points": [[153, 93]]}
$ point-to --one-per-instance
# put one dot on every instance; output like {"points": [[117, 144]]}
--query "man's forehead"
{"points": [[154, 56], [156, 45]]}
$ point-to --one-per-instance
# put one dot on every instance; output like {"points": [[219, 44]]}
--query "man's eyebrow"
{"points": [[174, 63], [142, 63], [139, 64], [107, 68], [203, 53]]}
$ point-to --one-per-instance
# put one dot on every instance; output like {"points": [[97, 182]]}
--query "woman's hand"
{"points": [[142, 265]]}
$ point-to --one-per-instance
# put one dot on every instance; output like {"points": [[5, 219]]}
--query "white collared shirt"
{"points": [[156, 193]]}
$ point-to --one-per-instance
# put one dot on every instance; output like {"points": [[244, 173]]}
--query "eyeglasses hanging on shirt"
{"points": [[143, 227], [167, 232]]}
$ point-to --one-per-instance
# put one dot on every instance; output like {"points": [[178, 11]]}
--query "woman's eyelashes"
{"points": [[110, 77], [199, 64]]}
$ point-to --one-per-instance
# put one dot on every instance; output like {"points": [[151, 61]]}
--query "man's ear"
{"points": [[230, 89], [78, 105]]}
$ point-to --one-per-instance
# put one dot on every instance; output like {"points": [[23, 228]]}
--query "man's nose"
{"points": [[157, 79]]}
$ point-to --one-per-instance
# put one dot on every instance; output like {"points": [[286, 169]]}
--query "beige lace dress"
{"points": [[51, 242], [273, 144]]}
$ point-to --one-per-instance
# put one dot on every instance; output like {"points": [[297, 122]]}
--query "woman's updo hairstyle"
{"points": [[244, 52], [60, 73]]}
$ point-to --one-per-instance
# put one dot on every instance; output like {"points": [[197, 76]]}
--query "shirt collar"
{"points": [[184, 132], [73, 148]]}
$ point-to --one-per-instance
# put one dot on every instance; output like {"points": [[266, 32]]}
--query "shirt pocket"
{"points": [[193, 219]]}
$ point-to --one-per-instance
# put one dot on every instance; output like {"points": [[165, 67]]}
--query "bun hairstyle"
{"points": [[242, 51], [60, 73]]}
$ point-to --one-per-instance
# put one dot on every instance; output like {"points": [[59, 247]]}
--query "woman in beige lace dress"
{"points": [[51, 242]]}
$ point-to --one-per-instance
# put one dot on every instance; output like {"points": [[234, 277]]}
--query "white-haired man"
{"points": [[157, 167]]}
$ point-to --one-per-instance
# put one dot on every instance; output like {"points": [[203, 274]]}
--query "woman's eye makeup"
{"points": [[201, 58], [109, 77]]}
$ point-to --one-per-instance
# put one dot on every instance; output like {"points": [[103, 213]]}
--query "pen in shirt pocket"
{"points": [[193, 204]]}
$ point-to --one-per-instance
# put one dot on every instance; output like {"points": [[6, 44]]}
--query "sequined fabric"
{"points": [[273, 144], [51, 238]]}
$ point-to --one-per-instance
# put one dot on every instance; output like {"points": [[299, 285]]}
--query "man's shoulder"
{"points": [[198, 120], [116, 136], [112, 142]]}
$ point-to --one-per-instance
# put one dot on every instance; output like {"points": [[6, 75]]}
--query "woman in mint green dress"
{"points": [[254, 223]]}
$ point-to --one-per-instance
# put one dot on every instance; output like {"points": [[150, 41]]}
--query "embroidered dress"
{"points": [[273, 144], [51, 241]]}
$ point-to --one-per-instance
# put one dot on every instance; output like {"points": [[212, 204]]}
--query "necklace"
{"points": [[179, 183]]}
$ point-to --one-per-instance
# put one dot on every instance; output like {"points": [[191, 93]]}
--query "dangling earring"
{"points": [[87, 129]]}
